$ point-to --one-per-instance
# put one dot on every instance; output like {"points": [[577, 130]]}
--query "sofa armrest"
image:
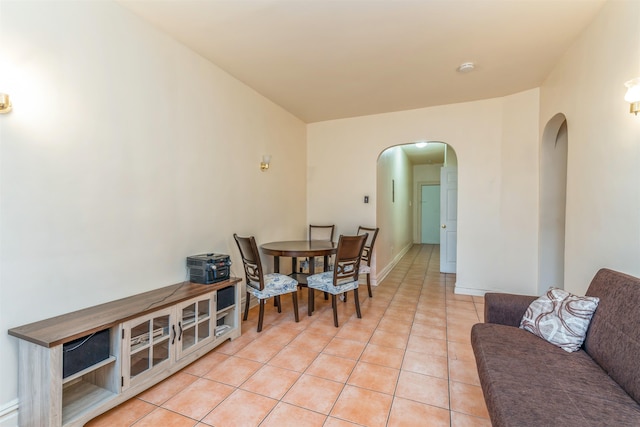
{"points": [[506, 309]]}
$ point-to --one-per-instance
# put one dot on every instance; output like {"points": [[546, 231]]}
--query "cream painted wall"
{"points": [[118, 159], [603, 191], [124, 154], [427, 173], [496, 145], [450, 157], [393, 211]]}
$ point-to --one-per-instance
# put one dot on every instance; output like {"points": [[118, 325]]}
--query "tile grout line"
{"points": [[420, 263]]}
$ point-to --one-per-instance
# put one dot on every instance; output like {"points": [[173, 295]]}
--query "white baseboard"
{"points": [[387, 269], [469, 291], [9, 414]]}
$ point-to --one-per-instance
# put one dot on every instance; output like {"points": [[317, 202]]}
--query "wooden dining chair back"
{"points": [[365, 265], [260, 285], [344, 276], [324, 233], [321, 232]]}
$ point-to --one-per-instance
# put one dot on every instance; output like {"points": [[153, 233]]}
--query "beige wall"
{"points": [[393, 210], [603, 191], [124, 154], [495, 142]]}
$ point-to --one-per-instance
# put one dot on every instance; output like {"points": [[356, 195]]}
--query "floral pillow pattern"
{"points": [[560, 318]]}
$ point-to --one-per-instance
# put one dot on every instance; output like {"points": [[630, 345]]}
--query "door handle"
{"points": [[444, 225], [174, 334], [180, 326]]}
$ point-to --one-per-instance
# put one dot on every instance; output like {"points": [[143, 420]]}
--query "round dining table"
{"points": [[299, 248]]}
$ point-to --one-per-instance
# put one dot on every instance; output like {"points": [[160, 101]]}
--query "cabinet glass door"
{"points": [[189, 325], [204, 314], [140, 352], [149, 344], [195, 323]]}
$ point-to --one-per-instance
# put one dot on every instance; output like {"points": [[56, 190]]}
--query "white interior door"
{"points": [[430, 214], [449, 219]]}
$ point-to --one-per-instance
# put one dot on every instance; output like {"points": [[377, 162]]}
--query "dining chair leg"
{"points": [[277, 302], [369, 285], [261, 315], [335, 310], [356, 298], [310, 302], [246, 306], [294, 296]]}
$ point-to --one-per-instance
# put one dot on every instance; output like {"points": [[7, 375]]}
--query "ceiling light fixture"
{"points": [[421, 144], [466, 67]]}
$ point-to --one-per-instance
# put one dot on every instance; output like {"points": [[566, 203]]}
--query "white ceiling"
{"points": [[431, 154], [329, 59]]}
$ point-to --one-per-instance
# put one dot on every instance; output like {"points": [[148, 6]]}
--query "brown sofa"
{"points": [[527, 381]]}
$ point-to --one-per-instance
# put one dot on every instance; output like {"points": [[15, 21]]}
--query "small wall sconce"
{"points": [[633, 95], [5, 103], [264, 165]]}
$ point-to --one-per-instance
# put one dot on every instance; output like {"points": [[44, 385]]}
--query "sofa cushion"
{"points": [[560, 318], [527, 381], [613, 338], [506, 309]]}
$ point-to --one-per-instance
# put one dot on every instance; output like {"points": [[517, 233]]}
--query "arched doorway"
{"points": [[406, 174], [553, 201]]}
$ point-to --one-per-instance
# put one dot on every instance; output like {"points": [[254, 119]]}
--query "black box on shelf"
{"points": [[226, 297], [86, 351]]}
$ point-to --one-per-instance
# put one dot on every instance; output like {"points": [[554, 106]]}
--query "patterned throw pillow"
{"points": [[560, 318]]}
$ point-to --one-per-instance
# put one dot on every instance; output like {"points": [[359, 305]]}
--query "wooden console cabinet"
{"points": [[150, 336]]}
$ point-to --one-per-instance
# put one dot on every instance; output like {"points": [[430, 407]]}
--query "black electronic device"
{"points": [[83, 352], [226, 297], [209, 268]]}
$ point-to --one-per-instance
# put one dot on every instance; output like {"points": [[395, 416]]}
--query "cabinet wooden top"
{"points": [[67, 327]]}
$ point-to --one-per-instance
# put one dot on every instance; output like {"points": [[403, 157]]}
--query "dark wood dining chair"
{"points": [[263, 286], [365, 264], [324, 233], [344, 276]]}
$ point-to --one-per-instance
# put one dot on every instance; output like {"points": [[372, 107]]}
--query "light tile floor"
{"points": [[407, 362]]}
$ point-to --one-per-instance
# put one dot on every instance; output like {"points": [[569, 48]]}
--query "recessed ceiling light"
{"points": [[466, 67], [421, 144]]}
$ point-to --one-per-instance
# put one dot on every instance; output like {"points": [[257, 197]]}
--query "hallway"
{"points": [[407, 362]]}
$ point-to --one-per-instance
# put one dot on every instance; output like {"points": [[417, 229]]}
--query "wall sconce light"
{"points": [[5, 103], [633, 95], [264, 165]]}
